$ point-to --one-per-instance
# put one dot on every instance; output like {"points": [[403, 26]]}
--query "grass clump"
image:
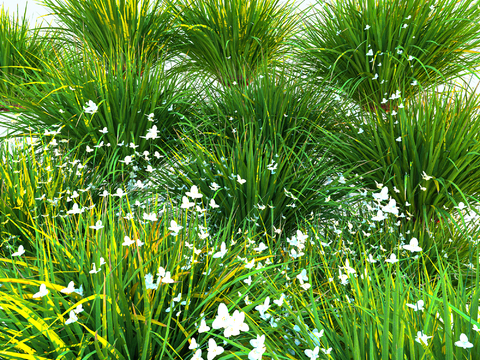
{"points": [[148, 213]]}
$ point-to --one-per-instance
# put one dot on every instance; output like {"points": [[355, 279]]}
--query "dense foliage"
{"points": [[192, 180]]}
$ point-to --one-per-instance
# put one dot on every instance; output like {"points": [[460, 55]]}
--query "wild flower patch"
{"points": [[146, 213]]}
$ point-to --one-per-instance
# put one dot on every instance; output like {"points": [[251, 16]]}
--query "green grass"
{"points": [[373, 49], [22, 48], [148, 213]]}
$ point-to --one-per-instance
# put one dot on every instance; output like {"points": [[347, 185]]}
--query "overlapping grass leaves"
{"points": [[374, 48], [427, 154], [260, 154], [226, 40]]}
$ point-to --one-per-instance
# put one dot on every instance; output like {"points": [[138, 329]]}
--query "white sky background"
{"points": [[38, 12], [34, 10]]}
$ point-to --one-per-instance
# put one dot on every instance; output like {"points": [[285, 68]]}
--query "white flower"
{"points": [[312, 354], [316, 335], [167, 279], [75, 210], [302, 277], [72, 318], [104, 130], [236, 324], [222, 252], [272, 167], [367, 27], [348, 268], [149, 284], [79, 291], [69, 289], [120, 192], [98, 225], [193, 344], [175, 228], [370, 53], [127, 160], [301, 237], [414, 83], [127, 241], [43, 291], [186, 204], [418, 306], [250, 265], [214, 186], [426, 177], [91, 107], [393, 259], [463, 342], [413, 246], [213, 349], [197, 355], [279, 302], [258, 342], [94, 269], [203, 327], [460, 206], [213, 204], [360, 130], [258, 348], [327, 351], [164, 276], [383, 195], [193, 193], [379, 216], [151, 133], [305, 286], [391, 207], [240, 180], [422, 338], [223, 317], [261, 247], [264, 307], [20, 251], [152, 216]]}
